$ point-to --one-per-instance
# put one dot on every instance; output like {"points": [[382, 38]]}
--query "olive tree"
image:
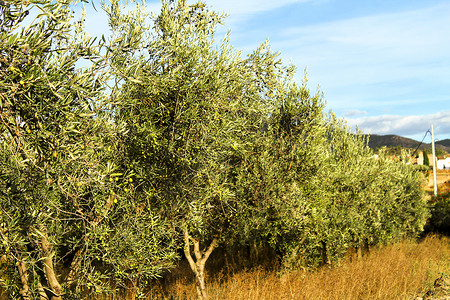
{"points": [[67, 208], [194, 111], [371, 200], [279, 180], [316, 191]]}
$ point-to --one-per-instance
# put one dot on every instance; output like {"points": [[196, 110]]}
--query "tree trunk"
{"points": [[49, 270], [24, 291], [359, 253], [200, 282], [42, 294], [74, 266], [134, 288], [324, 254], [198, 266]]}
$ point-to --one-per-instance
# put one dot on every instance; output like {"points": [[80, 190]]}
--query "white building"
{"points": [[443, 164]]}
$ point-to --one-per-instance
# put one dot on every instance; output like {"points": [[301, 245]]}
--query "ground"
{"points": [[442, 178]]}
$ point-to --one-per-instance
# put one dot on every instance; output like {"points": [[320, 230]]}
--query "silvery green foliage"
{"points": [[363, 200], [59, 144], [193, 113], [167, 131], [232, 146]]}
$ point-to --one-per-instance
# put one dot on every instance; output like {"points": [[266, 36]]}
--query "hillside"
{"points": [[377, 141], [445, 142]]}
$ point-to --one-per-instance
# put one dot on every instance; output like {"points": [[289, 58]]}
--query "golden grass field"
{"points": [[403, 270]]}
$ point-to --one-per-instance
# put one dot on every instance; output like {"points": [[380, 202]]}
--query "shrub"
{"points": [[421, 168], [440, 214], [426, 160]]}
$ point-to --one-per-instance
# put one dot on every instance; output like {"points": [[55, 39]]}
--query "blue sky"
{"points": [[383, 65]]}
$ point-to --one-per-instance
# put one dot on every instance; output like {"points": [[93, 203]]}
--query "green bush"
{"points": [[440, 214], [421, 168], [426, 160]]}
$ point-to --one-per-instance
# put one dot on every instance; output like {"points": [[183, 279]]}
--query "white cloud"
{"points": [[414, 126], [353, 113], [398, 35], [357, 60]]}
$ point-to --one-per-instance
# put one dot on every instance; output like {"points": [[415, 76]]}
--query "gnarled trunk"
{"points": [[49, 270], [24, 291], [198, 266], [42, 294], [25, 288], [71, 279]]}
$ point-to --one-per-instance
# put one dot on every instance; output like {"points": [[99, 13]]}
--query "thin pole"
{"points": [[434, 160]]}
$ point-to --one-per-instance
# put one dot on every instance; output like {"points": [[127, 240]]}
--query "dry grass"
{"points": [[442, 179], [399, 271]]}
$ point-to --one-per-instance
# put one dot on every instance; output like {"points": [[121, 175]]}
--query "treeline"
{"points": [[405, 153], [168, 143]]}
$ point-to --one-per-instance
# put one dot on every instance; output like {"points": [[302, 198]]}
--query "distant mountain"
{"points": [[377, 141], [445, 143]]}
